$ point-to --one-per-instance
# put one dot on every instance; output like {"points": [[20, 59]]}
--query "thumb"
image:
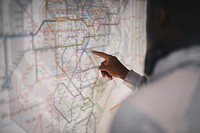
{"points": [[103, 68]]}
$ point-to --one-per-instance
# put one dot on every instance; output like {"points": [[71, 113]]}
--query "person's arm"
{"points": [[112, 67]]}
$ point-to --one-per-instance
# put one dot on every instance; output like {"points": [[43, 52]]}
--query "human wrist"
{"points": [[124, 73]]}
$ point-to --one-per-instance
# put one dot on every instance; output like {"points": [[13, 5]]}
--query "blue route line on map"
{"points": [[28, 35]]}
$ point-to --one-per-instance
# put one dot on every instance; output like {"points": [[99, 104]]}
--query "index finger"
{"points": [[101, 54]]}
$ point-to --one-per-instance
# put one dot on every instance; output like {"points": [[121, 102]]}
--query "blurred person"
{"points": [[168, 100]]}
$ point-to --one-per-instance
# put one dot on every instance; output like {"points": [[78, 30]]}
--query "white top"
{"points": [[169, 103], [133, 80]]}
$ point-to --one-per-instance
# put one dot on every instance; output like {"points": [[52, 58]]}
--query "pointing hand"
{"points": [[111, 66]]}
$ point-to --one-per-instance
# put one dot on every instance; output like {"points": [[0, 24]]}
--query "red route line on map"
{"points": [[49, 100], [22, 97], [78, 19], [22, 110], [31, 87], [47, 105], [35, 24]]}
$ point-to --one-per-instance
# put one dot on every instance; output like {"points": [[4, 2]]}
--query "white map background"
{"points": [[48, 76]]}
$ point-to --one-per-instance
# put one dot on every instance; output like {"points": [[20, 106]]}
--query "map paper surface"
{"points": [[49, 79]]}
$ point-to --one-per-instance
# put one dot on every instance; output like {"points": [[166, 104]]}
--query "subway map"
{"points": [[49, 79]]}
